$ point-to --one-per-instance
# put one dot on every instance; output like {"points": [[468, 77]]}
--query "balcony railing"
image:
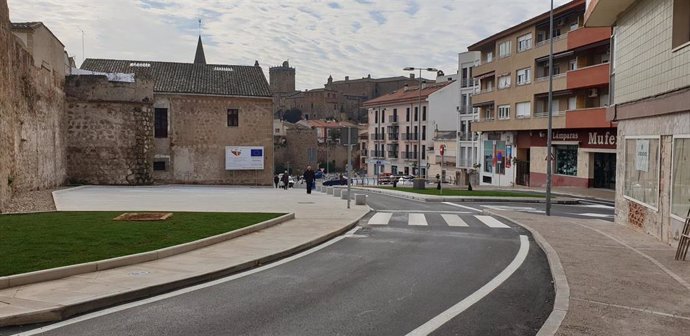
{"points": [[545, 78], [377, 154], [410, 136], [545, 114], [393, 136], [408, 155], [378, 136], [393, 154], [393, 119], [465, 163], [447, 160]]}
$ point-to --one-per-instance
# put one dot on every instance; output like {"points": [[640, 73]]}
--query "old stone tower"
{"points": [[282, 78]]}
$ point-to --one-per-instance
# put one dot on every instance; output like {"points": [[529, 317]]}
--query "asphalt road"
{"points": [[387, 279]]}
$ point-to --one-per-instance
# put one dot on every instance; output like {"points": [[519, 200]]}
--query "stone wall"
{"points": [[32, 154], [198, 134], [109, 131], [295, 149]]}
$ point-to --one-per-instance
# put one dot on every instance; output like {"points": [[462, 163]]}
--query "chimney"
{"points": [[412, 75], [405, 88]]}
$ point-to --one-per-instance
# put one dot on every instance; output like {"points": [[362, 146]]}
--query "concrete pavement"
{"points": [[401, 193], [317, 219], [620, 281]]}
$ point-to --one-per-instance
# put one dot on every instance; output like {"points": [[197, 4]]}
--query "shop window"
{"points": [[488, 156], [642, 170], [566, 160], [680, 190]]}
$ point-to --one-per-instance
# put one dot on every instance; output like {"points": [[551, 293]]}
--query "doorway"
{"points": [[605, 170]]}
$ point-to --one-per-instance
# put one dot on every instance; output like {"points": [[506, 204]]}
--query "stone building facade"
{"points": [[650, 79], [32, 140], [199, 111], [109, 128], [296, 149]]}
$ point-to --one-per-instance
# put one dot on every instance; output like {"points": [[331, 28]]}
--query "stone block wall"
{"points": [[109, 128], [198, 134], [32, 143], [295, 149]]}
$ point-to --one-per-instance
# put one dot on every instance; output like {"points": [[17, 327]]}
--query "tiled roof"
{"points": [[326, 124], [26, 25], [210, 79], [401, 96]]}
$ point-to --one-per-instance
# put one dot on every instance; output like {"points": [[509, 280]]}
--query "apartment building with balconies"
{"points": [[650, 80], [400, 130], [467, 147], [512, 99]]}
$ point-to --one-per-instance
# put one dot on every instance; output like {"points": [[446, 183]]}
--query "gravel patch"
{"points": [[31, 201]]}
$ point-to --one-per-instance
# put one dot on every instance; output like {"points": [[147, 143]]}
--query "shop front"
{"points": [[583, 158]]}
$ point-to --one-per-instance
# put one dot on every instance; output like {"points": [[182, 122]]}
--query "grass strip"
{"points": [[32, 242]]}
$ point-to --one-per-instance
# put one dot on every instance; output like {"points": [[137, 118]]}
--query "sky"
{"points": [[352, 38]]}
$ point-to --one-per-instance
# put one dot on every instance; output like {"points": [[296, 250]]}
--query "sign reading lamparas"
{"points": [[244, 158]]}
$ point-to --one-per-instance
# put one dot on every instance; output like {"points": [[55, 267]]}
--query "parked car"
{"points": [[335, 181], [318, 174]]}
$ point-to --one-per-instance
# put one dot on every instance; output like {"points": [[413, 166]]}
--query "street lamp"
{"points": [[419, 120], [549, 157]]}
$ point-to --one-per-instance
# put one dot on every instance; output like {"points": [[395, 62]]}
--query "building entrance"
{"points": [[605, 170]]}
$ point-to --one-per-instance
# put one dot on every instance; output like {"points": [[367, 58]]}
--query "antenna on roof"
{"points": [[83, 55], [199, 27]]}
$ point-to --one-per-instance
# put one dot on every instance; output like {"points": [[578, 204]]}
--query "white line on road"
{"points": [[185, 290], [462, 206], [417, 219], [380, 218], [454, 220], [436, 322], [425, 211], [492, 222], [597, 206], [596, 215]]}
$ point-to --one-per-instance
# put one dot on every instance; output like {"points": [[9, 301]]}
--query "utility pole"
{"points": [[549, 135]]}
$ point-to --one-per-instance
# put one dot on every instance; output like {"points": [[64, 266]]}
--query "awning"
{"points": [[555, 56], [486, 103], [486, 75]]}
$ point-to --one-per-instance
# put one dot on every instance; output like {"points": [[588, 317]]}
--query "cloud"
{"points": [[344, 38]]}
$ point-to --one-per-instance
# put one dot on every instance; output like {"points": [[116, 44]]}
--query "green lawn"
{"points": [[457, 192], [40, 241]]}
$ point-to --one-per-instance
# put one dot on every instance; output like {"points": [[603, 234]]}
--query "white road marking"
{"points": [[417, 219], [380, 218], [119, 308], [454, 220], [462, 206], [492, 222], [596, 215], [436, 322], [425, 211], [597, 206], [508, 207]]}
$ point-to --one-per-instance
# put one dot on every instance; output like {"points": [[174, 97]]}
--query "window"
{"points": [[159, 165], [424, 132], [376, 117], [642, 170], [572, 103], [423, 113], [572, 65], [383, 116], [504, 49], [680, 189], [524, 76], [233, 117], [416, 113], [524, 42], [423, 152], [395, 115], [489, 114], [523, 110], [408, 114], [566, 160], [160, 121], [681, 23], [489, 57], [504, 112], [488, 156], [504, 82]]}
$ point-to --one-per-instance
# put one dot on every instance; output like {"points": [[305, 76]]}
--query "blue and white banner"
{"points": [[244, 158]]}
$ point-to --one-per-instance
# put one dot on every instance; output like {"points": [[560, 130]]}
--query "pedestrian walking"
{"points": [[309, 177], [286, 180], [276, 179]]}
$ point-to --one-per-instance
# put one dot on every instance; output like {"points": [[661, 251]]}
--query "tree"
{"points": [[292, 115]]}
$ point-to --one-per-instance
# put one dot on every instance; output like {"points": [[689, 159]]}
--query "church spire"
{"points": [[200, 58]]}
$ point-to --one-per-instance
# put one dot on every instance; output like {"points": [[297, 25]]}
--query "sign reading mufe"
{"points": [[244, 158], [585, 138]]}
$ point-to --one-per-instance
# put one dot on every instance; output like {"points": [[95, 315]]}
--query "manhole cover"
{"points": [[139, 273]]}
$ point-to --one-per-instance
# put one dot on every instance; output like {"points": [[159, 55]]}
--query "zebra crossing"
{"points": [[458, 219]]}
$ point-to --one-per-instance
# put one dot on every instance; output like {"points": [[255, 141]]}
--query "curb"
{"points": [[95, 266], [432, 199], [561, 287], [66, 311]]}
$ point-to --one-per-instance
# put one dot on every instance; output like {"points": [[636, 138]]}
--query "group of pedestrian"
{"points": [[309, 177]]}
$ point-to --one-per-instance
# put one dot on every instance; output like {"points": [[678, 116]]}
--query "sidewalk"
{"points": [[621, 282], [603, 195], [59, 299], [400, 192]]}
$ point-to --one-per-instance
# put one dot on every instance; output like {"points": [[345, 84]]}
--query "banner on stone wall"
{"points": [[244, 158]]}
